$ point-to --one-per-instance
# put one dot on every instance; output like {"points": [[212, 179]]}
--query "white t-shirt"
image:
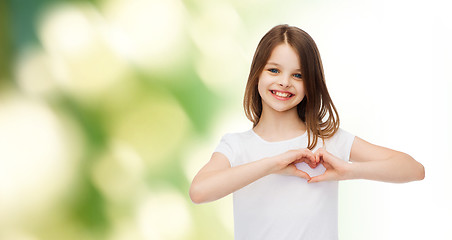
{"points": [[284, 207]]}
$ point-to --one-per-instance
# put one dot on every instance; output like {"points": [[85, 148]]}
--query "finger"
{"points": [[313, 164], [319, 178], [319, 152], [319, 155], [307, 154], [323, 155], [300, 160], [302, 174], [328, 158], [308, 157]]}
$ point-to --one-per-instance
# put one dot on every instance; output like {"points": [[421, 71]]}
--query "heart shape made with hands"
{"points": [[317, 170], [323, 166], [312, 172], [327, 167]]}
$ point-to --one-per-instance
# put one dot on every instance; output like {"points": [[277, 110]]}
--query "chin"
{"points": [[283, 109]]}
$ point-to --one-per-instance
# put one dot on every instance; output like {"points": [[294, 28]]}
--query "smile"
{"points": [[281, 94]]}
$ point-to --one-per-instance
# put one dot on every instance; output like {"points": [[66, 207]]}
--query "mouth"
{"points": [[283, 95]]}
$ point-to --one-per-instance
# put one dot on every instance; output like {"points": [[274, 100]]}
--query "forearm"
{"points": [[214, 185], [398, 168]]}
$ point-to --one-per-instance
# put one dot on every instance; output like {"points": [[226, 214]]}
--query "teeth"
{"points": [[281, 94]]}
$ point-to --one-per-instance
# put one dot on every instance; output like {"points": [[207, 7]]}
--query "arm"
{"points": [[372, 162], [218, 179]]}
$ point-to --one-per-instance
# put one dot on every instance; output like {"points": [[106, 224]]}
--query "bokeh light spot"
{"points": [[163, 215], [35, 161]]}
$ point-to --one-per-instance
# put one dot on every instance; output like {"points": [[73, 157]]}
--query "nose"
{"points": [[284, 81]]}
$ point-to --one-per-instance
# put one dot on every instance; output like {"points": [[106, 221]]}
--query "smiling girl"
{"points": [[284, 172]]}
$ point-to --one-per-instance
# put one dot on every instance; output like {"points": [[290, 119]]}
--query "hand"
{"points": [[287, 161], [336, 169]]}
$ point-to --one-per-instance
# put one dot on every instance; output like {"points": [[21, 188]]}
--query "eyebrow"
{"points": [[275, 64]]}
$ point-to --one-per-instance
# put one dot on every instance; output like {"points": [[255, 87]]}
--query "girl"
{"points": [[284, 172]]}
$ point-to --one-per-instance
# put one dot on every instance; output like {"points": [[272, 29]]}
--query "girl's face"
{"points": [[280, 83]]}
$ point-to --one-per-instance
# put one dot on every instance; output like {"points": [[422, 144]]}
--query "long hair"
{"points": [[316, 109]]}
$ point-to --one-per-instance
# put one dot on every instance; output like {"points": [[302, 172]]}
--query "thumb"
{"points": [[303, 174], [320, 178]]}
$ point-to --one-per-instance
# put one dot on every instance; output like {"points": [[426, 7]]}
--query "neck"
{"points": [[277, 126]]}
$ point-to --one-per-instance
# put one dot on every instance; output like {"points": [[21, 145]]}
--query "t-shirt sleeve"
{"points": [[343, 143], [225, 147]]}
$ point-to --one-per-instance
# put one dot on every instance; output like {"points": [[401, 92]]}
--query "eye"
{"points": [[273, 70], [297, 75]]}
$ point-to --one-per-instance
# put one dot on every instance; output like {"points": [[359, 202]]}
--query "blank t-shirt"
{"points": [[284, 207]]}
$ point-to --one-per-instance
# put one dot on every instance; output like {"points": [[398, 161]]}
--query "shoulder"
{"points": [[231, 145], [342, 135], [340, 143], [234, 141], [237, 136]]}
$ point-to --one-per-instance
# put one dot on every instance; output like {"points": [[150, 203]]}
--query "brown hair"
{"points": [[316, 109]]}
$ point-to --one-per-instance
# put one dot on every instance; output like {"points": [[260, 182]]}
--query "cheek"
{"points": [[300, 90], [261, 86]]}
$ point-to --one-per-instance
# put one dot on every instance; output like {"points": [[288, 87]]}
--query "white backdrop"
{"points": [[387, 66]]}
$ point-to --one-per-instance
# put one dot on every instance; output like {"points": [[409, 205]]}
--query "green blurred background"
{"points": [[105, 108], [108, 108]]}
